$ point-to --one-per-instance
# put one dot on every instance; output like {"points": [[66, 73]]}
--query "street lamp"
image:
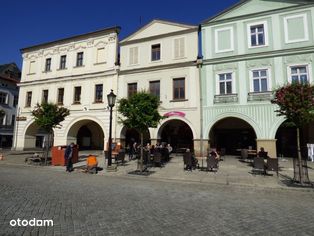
{"points": [[111, 101]]}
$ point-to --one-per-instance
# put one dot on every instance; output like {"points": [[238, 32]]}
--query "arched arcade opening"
{"points": [[232, 134], [35, 137], [286, 137], [177, 133], [87, 134], [129, 136]]}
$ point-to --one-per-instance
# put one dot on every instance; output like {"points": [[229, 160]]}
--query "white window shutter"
{"points": [[182, 47]]}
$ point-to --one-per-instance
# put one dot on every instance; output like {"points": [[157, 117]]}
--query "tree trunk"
{"points": [[299, 156], [141, 159]]}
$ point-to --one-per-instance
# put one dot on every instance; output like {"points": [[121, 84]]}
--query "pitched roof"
{"points": [[158, 21], [10, 71]]}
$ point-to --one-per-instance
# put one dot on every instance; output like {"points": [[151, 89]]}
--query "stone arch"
{"points": [[178, 132], [232, 134], [34, 137], [243, 117], [91, 130]]}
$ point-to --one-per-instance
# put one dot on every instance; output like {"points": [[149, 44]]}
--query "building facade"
{"points": [[161, 58], [76, 73], [9, 78], [249, 50]]}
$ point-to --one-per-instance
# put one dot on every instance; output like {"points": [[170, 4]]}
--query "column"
{"points": [[269, 145]]}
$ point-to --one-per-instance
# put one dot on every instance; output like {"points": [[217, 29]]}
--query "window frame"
{"points": [[153, 91], [184, 48], [233, 86], [309, 71], [151, 52], [44, 96], [249, 38], [62, 65], [28, 100], [79, 59], [75, 95], [99, 99], [5, 98], [58, 96], [130, 92], [179, 98], [48, 64], [131, 59], [268, 77]]}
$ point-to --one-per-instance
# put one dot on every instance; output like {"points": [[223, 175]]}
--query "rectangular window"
{"points": [[156, 52], [32, 68], [98, 92], [77, 95], [3, 98], [28, 99], [48, 64], [100, 55], [225, 83], [133, 60], [154, 88], [44, 96], [179, 48], [15, 101], [60, 96], [257, 33], [79, 59], [299, 74], [63, 60], [260, 80], [132, 89], [178, 88]]}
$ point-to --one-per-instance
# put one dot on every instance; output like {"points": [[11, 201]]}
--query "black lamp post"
{"points": [[111, 101]]}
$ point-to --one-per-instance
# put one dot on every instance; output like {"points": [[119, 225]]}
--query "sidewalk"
{"points": [[231, 171]]}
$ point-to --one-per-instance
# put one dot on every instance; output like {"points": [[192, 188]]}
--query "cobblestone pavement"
{"points": [[81, 204]]}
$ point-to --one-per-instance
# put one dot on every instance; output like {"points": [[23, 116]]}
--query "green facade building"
{"points": [[248, 51]]}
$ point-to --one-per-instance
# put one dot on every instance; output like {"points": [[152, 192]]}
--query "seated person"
{"points": [[262, 153], [214, 153], [91, 164]]}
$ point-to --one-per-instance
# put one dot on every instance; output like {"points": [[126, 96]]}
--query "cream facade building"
{"points": [[77, 73], [161, 58]]}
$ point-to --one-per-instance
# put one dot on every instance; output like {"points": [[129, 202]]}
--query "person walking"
{"points": [[68, 154]]}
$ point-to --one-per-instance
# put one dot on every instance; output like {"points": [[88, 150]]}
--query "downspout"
{"points": [[199, 64]]}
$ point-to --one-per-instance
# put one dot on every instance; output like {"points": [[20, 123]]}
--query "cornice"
{"points": [[255, 15], [67, 78], [181, 32], [160, 67], [260, 55]]}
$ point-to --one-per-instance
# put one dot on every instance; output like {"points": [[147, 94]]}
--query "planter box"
{"points": [[57, 155]]}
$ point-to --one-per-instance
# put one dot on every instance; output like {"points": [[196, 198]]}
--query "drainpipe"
{"points": [[199, 64]]}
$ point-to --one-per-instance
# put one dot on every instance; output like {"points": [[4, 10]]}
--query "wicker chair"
{"points": [[187, 160], [157, 159]]}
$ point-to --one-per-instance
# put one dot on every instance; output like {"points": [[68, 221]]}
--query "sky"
{"points": [[32, 22]]}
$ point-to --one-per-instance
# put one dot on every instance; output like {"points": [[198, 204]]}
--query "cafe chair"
{"points": [[259, 165]]}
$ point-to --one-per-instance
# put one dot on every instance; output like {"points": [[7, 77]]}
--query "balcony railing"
{"points": [[226, 98], [260, 96]]}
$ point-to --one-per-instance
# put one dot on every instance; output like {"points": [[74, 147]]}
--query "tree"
{"points": [[296, 103], [140, 112], [48, 116]]}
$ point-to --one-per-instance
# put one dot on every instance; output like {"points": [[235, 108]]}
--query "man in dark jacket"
{"points": [[68, 157]]}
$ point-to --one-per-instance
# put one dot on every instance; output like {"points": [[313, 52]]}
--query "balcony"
{"points": [[226, 98], [260, 96]]}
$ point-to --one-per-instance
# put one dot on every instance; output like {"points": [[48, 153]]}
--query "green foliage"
{"points": [[140, 111], [296, 103], [49, 115]]}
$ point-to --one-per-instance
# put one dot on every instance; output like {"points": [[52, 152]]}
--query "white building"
{"points": [[161, 58], [77, 73]]}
